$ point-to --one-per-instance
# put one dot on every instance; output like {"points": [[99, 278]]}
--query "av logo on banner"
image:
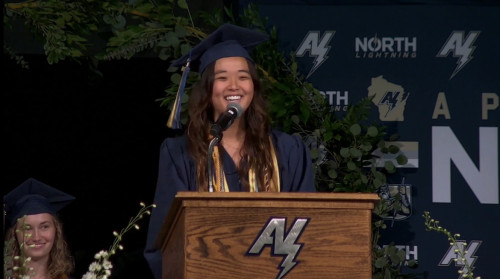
{"points": [[281, 244], [451, 255], [317, 46], [461, 47], [390, 98]]}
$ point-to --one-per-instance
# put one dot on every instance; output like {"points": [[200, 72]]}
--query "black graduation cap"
{"points": [[33, 197], [227, 41]]}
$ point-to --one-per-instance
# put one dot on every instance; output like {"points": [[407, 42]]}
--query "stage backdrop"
{"points": [[435, 77]]}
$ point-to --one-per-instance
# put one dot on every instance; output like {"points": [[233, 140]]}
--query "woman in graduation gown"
{"points": [[35, 232], [248, 156]]}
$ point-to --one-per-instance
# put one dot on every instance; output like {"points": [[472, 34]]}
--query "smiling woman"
{"points": [[248, 155], [38, 232], [36, 243]]}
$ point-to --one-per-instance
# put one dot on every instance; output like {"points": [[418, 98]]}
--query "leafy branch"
{"points": [[101, 268], [459, 246], [16, 266]]}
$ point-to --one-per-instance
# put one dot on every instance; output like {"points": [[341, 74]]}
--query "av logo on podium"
{"points": [[273, 235]]}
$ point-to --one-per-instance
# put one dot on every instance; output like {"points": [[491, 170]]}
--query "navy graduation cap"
{"points": [[33, 197], [227, 41]]}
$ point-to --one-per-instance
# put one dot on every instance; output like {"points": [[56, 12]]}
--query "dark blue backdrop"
{"points": [[435, 76]]}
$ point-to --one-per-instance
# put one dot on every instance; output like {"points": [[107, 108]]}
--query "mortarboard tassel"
{"points": [[174, 120]]}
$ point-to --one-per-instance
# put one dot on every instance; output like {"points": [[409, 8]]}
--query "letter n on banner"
{"points": [[483, 180]]}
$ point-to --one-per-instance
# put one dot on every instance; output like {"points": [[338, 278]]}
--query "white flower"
{"points": [[107, 264], [101, 269], [89, 275], [94, 267], [101, 254]]}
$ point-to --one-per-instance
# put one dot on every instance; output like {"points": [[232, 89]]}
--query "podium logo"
{"points": [[284, 245]]}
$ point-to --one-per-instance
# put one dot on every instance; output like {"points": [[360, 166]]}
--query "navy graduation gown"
{"points": [[177, 172]]}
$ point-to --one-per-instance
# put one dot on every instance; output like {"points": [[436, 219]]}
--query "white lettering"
{"points": [[413, 252], [483, 181], [339, 97], [408, 251], [385, 44]]}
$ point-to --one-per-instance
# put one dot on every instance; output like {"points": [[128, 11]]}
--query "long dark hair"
{"points": [[256, 149]]}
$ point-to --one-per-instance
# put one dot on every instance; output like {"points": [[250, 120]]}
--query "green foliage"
{"points": [[62, 26], [18, 58], [389, 260], [68, 28]]}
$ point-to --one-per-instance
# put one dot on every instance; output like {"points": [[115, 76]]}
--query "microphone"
{"points": [[233, 111]]}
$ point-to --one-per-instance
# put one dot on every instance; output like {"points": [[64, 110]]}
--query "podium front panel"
{"points": [[265, 237]]}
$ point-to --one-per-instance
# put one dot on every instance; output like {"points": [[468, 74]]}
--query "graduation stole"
{"points": [[272, 185]]}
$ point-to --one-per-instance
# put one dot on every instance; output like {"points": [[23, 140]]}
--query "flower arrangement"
{"points": [[101, 268], [459, 246]]}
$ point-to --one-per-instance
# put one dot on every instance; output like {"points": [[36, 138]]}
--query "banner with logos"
{"points": [[435, 76]]}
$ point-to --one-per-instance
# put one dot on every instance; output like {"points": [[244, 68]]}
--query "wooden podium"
{"points": [[268, 235]]}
